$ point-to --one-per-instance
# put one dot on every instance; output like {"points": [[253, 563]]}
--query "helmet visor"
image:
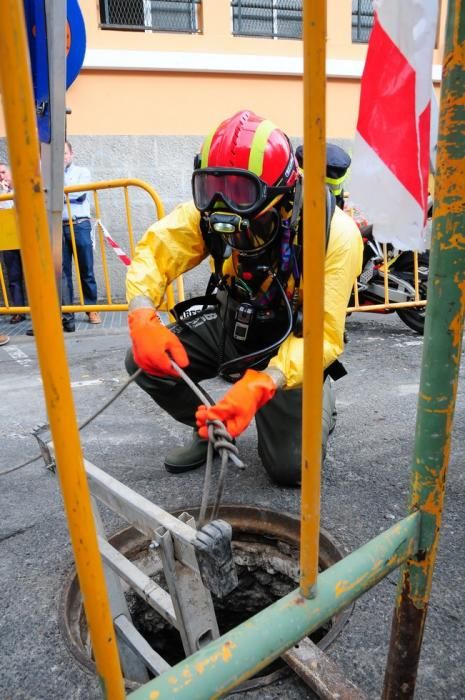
{"points": [[240, 191]]}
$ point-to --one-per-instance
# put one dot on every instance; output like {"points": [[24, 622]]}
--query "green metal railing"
{"points": [[245, 650]]}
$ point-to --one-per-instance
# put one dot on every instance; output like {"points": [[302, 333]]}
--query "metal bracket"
{"points": [[192, 602], [215, 557], [39, 433]]}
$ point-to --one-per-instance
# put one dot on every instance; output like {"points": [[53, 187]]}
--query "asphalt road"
{"points": [[364, 491]]}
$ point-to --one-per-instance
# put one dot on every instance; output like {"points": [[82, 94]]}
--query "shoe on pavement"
{"points": [[67, 327], [94, 317], [184, 459], [17, 318], [4, 339]]}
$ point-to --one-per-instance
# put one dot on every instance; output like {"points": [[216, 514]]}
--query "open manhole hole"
{"points": [[266, 553]]}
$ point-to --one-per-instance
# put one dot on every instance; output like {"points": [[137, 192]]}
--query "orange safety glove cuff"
{"points": [[239, 405], [154, 345]]}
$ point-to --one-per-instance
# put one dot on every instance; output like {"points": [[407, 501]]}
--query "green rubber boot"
{"points": [[184, 459]]}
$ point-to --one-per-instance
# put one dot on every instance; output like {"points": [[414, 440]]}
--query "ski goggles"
{"points": [[240, 190], [246, 236]]}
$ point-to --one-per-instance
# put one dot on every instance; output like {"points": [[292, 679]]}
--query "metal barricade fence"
{"points": [[9, 241], [388, 260]]}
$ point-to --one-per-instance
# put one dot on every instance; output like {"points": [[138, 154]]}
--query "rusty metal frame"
{"points": [[440, 367]]}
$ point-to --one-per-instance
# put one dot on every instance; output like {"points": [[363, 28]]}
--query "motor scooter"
{"points": [[399, 266]]}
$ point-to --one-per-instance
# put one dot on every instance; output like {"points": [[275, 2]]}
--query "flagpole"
{"points": [[440, 368], [314, 33]]}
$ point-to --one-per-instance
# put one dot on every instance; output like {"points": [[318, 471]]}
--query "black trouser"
{"points": [[14, 268], [278, 422], [85, 255]]}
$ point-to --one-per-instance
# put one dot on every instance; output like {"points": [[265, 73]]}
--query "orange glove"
{"points": [[153, 344], [239, 405]]}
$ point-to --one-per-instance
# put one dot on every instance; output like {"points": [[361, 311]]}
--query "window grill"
{"points": [[362, 20], [278, 19], [151, 15]]}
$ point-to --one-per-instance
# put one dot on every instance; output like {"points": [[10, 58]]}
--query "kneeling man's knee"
{"points": [[283, 466]]}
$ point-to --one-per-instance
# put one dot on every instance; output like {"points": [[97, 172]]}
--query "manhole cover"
{"points": [[266, 553]]}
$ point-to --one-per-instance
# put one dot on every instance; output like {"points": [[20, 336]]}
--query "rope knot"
{"points": [[222, 440]]}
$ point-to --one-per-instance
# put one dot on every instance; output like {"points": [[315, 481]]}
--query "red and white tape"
{"points": [[119, 251]]}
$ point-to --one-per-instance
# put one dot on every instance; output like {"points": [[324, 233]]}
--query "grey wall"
{"points": [[165, 163]]}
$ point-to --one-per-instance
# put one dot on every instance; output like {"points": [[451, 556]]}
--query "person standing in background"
{"points": [[12, 258], [80, 213]]}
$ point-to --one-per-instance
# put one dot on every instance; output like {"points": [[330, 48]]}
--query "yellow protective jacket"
{"points": [[175, 245]]}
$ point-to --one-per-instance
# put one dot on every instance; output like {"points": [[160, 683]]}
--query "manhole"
{"points": [[266, 553]]}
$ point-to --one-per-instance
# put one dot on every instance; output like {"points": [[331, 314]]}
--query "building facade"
{"points": [[159, 74], [172, 69]]}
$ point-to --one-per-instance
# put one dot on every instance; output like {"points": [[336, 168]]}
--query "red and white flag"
{"points": [[390, 164]]}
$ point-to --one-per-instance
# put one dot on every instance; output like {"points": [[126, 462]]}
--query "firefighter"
{"points": [[245, 214]]}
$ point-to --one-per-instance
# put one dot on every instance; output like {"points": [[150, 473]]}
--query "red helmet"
{"points": [[246, 166], [249, 142]]}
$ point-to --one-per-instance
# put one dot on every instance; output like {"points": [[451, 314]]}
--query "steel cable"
{"points": [[82, 425]]}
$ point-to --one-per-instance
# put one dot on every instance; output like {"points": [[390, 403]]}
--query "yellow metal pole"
{"points": [[16, 85], [387, 307], [4, 292], [129, 220], [415, 275], [386, 274], [180, 288], [73, 246], [103, 253], [314, 33]]}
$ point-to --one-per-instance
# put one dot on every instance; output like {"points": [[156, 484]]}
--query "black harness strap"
{"points": [[179, 311]]}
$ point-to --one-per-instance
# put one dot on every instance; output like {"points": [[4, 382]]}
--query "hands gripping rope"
{"points": [[218, 439]]}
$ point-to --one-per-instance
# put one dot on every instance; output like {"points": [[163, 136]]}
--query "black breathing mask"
{"points": [[249, 236]]}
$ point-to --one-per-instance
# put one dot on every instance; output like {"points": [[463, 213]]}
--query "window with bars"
{"points": [[362, 20], [151, 15], [279, 19]]}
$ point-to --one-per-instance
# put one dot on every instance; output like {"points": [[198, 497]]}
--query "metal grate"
{"points": [[151, 15], [362, 20], [280, 19]]}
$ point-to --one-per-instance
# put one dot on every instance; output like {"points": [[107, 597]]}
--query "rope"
{"points": [[20, 466], [219, 440], [122, 388], [82, 425]]}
